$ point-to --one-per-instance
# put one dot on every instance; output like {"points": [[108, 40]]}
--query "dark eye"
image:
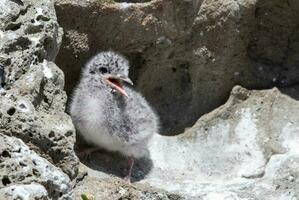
{"points": [[103, 70]]}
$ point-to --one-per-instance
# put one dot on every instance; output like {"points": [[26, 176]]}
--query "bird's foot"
{"points": [[130, 164], [85, 153], [127, 178]]}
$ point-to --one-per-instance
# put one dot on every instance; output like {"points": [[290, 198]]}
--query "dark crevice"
{"points": [[40, 96], [19, 2], [43, 18], [2, 77], [6, 181], [21, 43], [11, 111], [135, 65], [5, 154], [32, 29], [51, 134], [80, 178], [13, 27]]}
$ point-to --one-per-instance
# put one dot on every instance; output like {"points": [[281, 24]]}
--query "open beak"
{"points": [[115, 81]]}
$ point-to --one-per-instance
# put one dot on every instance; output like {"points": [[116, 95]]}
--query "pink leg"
{"points": [[130, 164]]}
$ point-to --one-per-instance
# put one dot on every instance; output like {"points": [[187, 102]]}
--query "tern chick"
{"points": [[107, 113]]}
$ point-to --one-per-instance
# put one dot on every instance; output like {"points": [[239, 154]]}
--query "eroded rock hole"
{"points": [[21, 43], [2, 76], [34, 29], [43, 18], [40, 55], [11, 111], [22, 164], [19, 2], [6, 181], [69, 133], [5, 153], [22, 106], [34, 162], [51, 134], [35, 172], [13, 26]]}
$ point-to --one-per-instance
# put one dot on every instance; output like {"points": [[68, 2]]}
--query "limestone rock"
{"points": [[25, 192], [32, 97], [21, 168], [186, 55], [114, 189], [245, 149]]}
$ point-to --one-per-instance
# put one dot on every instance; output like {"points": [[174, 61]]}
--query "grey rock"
{"points": [[31, 191], [20, 165], [32, 97], [245, 149], [114, 188], [186, 55]]}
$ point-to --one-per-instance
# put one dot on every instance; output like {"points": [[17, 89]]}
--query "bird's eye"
{"points": [[103, 70]]}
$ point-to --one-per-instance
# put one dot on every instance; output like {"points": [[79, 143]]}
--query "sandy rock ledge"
{"points": [[245, 149]]}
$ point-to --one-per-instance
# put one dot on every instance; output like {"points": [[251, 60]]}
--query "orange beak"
{"points": [[115, 81]]}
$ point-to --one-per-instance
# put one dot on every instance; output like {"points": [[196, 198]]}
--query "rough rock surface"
{"points": [[33, 103], [32, 97], [246, 149], [114, 189], [20, 165], [186, 55], [31, 191]]}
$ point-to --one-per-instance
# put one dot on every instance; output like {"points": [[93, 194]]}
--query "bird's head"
{"points": [[110, 69]]}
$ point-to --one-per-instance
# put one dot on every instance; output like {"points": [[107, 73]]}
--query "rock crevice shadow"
{"points": [[116, 164]]}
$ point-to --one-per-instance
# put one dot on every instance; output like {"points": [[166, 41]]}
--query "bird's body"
{"points": [[114, 122], [108, 114]]}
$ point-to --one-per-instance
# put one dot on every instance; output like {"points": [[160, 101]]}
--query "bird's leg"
{"points": [[130, 164], [85, 153]]}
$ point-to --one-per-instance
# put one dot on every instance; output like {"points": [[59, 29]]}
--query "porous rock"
{"points": [[32, 97], [114, 188], [31, 191], [245, 149], [25, 175], [186, 55]]}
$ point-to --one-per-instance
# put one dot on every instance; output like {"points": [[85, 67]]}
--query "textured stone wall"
{"points": [[186, 55], [33, 101]]}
